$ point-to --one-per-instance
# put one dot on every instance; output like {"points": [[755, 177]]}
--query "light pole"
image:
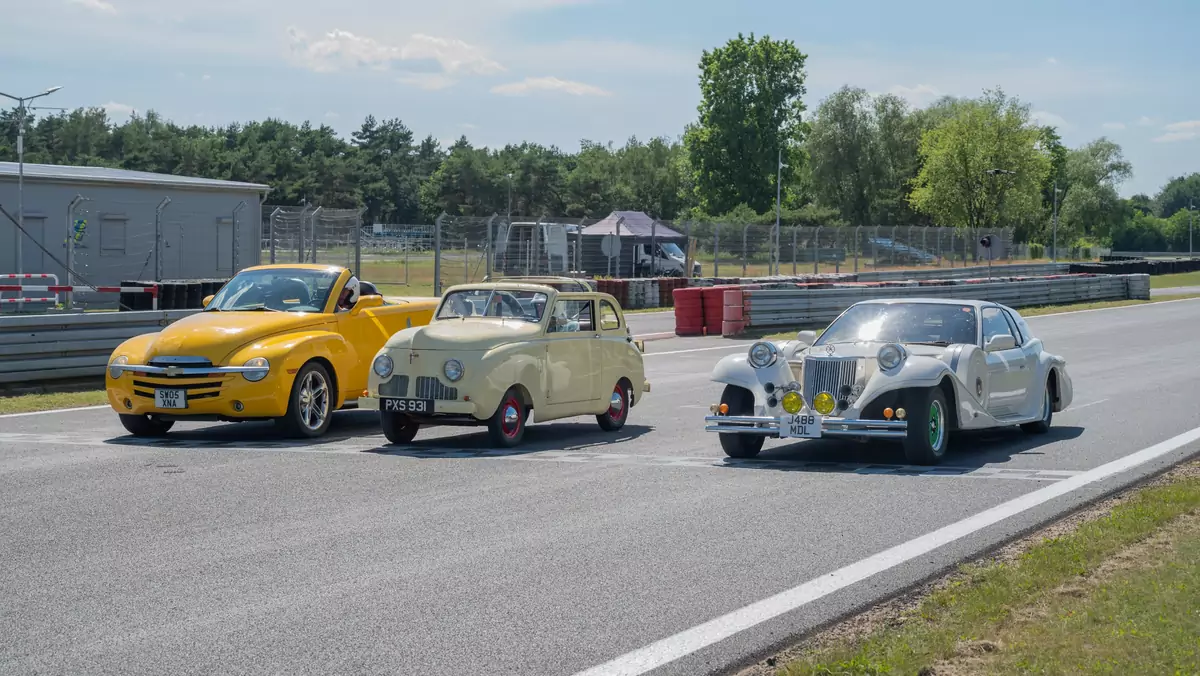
{"points": [[1191, 217], [1054, 241], [510, 198], [778, 204], [21, 100]]}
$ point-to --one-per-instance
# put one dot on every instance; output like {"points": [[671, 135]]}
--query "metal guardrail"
{"points": [[973, 272], [39, 348], [807, 307]]}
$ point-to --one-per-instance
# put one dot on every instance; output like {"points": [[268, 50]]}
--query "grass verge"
{"points": [[788, 334], [1112, 590], [27, 403], [1172, 281]]}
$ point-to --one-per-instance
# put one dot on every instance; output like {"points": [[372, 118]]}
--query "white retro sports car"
{"points": [[909, 369]]}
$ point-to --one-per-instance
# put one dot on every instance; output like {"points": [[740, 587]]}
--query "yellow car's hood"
{"points": [[214, 335], [468, 334]]}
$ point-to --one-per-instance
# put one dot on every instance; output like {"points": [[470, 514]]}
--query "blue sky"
{"points": [[557, 71]]}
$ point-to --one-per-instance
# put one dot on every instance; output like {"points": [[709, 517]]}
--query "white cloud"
{"points": [[532, 84], [206, 77], [468, 125], [918, 96], [117, 111], [427, 81], [1113, 126], [1052, 60], [604, 56], [332, 115], [455, 56], [1187, 130], [1049, 119], [1144, 121], [339, 49], [96, 5]]}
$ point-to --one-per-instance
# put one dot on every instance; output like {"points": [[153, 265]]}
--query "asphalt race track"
{"points": [[226, 550]]}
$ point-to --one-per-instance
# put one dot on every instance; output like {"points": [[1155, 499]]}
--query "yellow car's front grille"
{"points": [[197, 387]]}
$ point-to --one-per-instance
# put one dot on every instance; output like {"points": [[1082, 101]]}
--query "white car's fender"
{"points": [[734, 369]]}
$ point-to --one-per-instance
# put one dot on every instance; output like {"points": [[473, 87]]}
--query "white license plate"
{"points": [[406, 405], [170, 398], [800, 426]]}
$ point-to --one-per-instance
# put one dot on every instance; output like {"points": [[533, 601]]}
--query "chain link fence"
{"points": [[424, 259]]}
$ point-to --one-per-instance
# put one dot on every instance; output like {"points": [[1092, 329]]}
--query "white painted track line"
{"points": [[54, 410], [701, 636]]}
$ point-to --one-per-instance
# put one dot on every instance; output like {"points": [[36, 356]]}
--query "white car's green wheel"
{"points": [[928, 427]]}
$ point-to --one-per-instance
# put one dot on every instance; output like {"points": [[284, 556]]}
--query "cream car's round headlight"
{"points": [[114, 369], [453, 369], [383, 366], [891, 356], [762, 354], [259, 363]]}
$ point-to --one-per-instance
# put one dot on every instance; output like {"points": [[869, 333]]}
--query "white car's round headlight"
{"points": [[453, 369], [114, 369], [763, 354], [891, 356], [259, 363], [383, 366]]}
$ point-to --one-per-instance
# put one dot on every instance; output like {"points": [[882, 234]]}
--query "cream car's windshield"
{"points": [[503, 303], [931, 323], [275, 290]]}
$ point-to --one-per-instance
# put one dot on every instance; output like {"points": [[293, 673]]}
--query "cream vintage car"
{"points": [[502, 354], [909, 369]]}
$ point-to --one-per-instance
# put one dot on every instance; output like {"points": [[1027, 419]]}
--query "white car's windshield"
{"points": [[672, 249], [511, 303], [935, 323], [276, 289]]}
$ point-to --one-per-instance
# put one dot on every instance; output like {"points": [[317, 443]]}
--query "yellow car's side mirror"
{"points": [[206, 301], [365, 302]]}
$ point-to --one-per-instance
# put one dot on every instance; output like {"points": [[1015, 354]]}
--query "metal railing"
{"points": [[805, 307]]}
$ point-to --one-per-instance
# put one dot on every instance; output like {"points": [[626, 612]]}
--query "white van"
{"points": [[528, 247]]}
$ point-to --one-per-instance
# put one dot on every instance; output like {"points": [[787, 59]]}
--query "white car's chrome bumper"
{"points": [[830, 427]]}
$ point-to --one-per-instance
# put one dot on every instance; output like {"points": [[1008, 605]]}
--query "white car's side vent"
{"points": [[828, 374], [429, 387]]}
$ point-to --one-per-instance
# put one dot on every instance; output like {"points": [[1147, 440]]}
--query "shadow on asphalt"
{"points": [[554, 436], [349, 426], [967, 451]]}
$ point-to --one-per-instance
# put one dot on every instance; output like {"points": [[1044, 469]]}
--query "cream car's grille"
{"points": [[828, 374], [429, 387], [396, 386]]}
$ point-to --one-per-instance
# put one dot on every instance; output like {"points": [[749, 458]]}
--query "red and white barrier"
{"points": [[18, 288], [56, 289]]}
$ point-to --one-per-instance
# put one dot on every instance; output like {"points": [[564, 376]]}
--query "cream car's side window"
{"points": [[571, 316], [609, 319]]}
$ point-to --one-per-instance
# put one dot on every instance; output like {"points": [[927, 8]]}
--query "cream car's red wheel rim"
{"points": [[314, 400], [616, 405], [510, 421]]}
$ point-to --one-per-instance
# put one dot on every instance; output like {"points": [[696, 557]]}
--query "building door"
{"points": [[33, 260], [225, 246]]}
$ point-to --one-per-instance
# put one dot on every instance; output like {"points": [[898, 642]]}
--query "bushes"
{"points": [[1036, 250]]}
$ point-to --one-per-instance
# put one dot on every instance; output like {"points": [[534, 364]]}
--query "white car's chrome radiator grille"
{"points": [[828, 374], [429, 387]]}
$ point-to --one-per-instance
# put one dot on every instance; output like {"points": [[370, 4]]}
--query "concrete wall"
{"points": [[118, 240]]}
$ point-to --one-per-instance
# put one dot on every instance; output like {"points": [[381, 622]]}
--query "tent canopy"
{"points": [[637, 224]]}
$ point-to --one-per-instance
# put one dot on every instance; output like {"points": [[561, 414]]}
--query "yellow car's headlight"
{"points": [[793, 402], [824, 403], [256, 363], [114, 369]]}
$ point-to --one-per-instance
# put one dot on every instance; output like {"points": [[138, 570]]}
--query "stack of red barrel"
{"points": [[689, 311]]}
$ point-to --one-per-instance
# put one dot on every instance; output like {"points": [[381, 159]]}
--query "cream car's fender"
{"points": [[735, 370], [921, 372]]}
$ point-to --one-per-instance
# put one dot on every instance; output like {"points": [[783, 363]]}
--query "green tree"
{"points": [[1177, 194], [1091, 206], [750, 109], [955, 184]]}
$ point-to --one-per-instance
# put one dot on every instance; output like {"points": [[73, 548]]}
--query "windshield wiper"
{"points": [[258, 308], [939, 343]]}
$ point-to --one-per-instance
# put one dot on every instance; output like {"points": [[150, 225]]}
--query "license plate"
{"points": [[406, 405], [800, 426], [170, 398]]}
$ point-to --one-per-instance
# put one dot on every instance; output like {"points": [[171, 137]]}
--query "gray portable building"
{"points": [[209, 228]]}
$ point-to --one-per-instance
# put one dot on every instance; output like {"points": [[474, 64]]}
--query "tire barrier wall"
{"points": [[732, 309]]}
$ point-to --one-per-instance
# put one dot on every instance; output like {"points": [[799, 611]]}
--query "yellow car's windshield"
{"points": [[276, 289]]}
